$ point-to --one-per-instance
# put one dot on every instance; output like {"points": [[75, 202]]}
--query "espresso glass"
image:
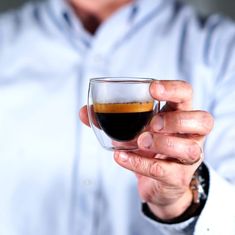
{"points": [[119, 109]]}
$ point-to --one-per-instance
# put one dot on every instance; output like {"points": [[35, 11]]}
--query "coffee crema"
{"points": [[123, 121]]}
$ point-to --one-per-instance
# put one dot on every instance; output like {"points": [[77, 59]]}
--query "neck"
{"points": [[93, 17]]}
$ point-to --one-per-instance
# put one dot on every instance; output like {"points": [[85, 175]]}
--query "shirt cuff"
{"points": [[184, 223], [182, 228], [218, 214]]}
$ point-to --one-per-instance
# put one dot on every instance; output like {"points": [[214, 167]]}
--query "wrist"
{"points": [[200, 189], [174, 210]]}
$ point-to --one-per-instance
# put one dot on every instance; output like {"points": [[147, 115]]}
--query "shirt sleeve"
{"points": [[183, 228], [217, 216]]}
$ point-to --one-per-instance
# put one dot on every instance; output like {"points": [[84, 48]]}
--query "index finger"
{"points": [[177, 93]]}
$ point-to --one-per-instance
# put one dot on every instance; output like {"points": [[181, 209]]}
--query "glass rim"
{"points": [[122, 79]]}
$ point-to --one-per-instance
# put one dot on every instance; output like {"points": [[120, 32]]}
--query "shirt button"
{"points": [[87, 182]]}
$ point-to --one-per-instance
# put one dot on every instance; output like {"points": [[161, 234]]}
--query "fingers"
{"points": [[140, 165], [178, 93], [177, 132], [84, 115], [186, 151], [190, 122], [164, 141], [154, 168]]}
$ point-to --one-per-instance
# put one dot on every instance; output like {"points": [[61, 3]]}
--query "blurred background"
{"points": [[225, 7]]}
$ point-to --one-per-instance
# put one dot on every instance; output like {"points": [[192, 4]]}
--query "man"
{"points": [[56, 179]]}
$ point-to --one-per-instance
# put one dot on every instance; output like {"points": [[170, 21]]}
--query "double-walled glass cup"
{"points": [[119, 109]]}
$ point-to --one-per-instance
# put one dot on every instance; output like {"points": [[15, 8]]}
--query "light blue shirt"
{"points": [[55, 179]]}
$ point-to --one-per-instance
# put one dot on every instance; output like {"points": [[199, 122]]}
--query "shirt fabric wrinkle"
{"points": [[42, 89]]}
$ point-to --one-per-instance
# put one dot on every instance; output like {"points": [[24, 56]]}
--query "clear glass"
{"points": [[119, 109]]}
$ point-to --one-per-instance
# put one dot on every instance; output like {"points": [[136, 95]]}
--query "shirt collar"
{"points": [[66, 16], [63, 13], [146, 7]]}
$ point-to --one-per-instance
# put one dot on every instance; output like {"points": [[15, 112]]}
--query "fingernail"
{"points": [[145, 140], [157, 123], [194, 153], [123, 156], [158, 87]]}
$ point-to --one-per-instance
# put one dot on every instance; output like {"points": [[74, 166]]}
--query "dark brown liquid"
{"points": [[123, 122]]}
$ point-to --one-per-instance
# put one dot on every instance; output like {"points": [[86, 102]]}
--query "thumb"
{"points": [[84, 115]]}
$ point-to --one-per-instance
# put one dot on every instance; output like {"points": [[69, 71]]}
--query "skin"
{"points": [[93, 12], [169, 152], [172, 148]]}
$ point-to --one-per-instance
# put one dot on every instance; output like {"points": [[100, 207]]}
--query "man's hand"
{"points": [[169, 152]]}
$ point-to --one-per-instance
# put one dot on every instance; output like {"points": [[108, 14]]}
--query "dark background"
{"points": [[226, 7]]}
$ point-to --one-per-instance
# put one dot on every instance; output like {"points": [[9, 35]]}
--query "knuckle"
{"points": [[155, 170], [208, 121], [179, 120], [169, 143], [135, 163]]}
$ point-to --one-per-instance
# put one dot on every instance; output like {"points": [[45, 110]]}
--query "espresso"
{"points": [[123, 121]]}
